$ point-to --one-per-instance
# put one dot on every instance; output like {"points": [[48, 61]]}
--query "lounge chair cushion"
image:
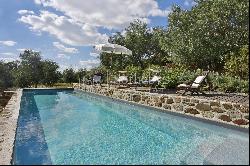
{"points": [[155, 79], [97, 78], [199, 79], [183, 85], [195, 84], [122, 79]]}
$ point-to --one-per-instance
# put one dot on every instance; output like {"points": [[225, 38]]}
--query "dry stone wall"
{"points": [[225, 112]]}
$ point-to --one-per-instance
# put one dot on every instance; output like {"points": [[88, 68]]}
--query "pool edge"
{"points": [[10, 127]]}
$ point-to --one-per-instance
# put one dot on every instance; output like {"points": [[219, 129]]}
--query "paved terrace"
{"points": [[8, 124]]}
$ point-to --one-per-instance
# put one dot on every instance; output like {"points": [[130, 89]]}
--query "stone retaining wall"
{"points": [[225, 112], [8, 125]]}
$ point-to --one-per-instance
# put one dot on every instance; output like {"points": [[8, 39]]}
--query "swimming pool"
{"points": [[73, 127]]}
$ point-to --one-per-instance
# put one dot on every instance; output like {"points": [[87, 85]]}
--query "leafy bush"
{"points": [[147, 73], [226, 83], [177, 75], [172, 77], [237, 63]]}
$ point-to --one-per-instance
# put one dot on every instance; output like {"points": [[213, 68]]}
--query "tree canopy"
{"points": [[203, 36]]}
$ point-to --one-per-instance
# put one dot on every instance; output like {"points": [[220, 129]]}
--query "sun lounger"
{"points": [[194, 87], [154, 79], [122, 80], [97, 79]]}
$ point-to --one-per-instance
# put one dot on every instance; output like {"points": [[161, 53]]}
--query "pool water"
{"points": [[73, 127]]}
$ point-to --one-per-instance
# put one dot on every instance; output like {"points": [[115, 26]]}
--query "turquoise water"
{"points": [[69, 127]]}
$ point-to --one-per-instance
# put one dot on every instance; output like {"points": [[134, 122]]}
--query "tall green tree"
{"points": [[81, 73], [157, 55], [69, 76], [144, 43], [137, 39], [203, 36], [50, 72], [31, 65], [7, 71]]}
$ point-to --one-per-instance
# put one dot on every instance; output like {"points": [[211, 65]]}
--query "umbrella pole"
{"points": [[110, 69], [108, 78]]}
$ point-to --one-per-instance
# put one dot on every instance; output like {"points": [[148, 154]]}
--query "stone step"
{"points": [[230, 152], [196, 157]]}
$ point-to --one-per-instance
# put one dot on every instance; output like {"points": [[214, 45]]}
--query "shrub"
{"points": [[237, 63], [173, 76], [227, 83]]}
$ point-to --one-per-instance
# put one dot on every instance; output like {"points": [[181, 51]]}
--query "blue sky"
{"points": [[65, 30]]}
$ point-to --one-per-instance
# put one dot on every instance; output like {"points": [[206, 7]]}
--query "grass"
{"points": [[57, 85]]}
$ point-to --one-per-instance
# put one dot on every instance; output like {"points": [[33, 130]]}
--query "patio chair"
{"points": [[194, 87], [153, 80], [97, 79], [1, 92], [122, 80]]}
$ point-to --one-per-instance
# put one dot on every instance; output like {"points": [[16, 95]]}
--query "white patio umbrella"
{"points": [[113, 49]]}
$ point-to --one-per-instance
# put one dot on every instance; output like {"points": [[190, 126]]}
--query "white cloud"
{"points": [[94, 54], [64, 49], [37, 2], [21, 49], [88, 64], [8, 43], [65, 29], [8, 59], [106, 13], [63, 56], [7, 54], [81, 20], [25, 12], [189, 3]]}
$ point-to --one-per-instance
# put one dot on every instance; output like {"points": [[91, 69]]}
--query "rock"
{"points": [[191, 111], [207, 114], [162, 99], [203, 106], [178, 107], [217, 109], [236, 106], [143, 97], [158, 104], [244, 109], [185, 100], [227, 106], [234, 114], [166, 106], [169, 101], [136, 98], [240, 122], [191, 104], [177, 100], [225, 118], [214, 103], [194, 101]]}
